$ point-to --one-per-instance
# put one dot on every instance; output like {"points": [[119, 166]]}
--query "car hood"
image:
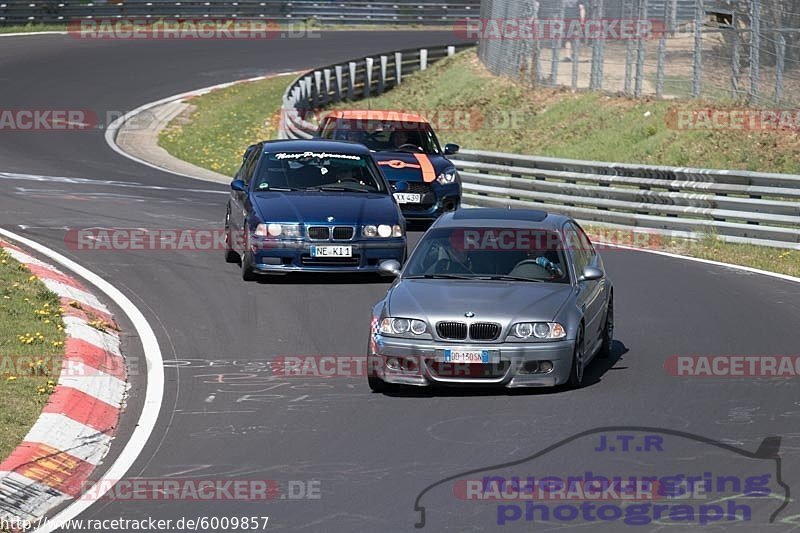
{"points": [[496, 301], [405, 166], [317, 207]]}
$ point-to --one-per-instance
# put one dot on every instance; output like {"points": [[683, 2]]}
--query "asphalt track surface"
{"points": [[226, 417]]}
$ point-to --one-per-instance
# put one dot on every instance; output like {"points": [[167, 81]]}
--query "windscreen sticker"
{"points": [[317, 155]]}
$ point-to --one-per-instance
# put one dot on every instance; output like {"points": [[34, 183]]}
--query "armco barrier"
{"points": [[418, 12], [737, 206]]}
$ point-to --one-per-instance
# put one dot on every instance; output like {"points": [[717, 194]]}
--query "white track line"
{"points": [[29, 33], [154, 392], [111, 129], [752, 270]]}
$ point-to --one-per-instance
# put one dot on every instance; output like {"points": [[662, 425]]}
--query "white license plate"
{"points": [[466, 356], [408, 198], [331, 251]]}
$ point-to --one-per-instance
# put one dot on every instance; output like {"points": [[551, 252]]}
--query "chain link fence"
{"points": [[722, 50]]}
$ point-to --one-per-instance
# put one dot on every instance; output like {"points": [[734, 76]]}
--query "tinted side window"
{"points": [[250, 165], [577, 248]]}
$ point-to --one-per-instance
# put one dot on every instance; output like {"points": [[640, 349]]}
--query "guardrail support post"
{"points": [[368, 76], [423, 59], [318, 94], [451, 51], [351, 87], [339, 69], [398, 67], [327, 74], [382, 77], [309, 92]]}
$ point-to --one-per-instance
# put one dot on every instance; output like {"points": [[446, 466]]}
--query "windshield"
{"points": [[490, 253], [384, 135], [321, 171]]}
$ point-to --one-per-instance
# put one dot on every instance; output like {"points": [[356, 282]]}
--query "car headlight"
{"points": [[402, 326], [277, 230], [447, 177], [538, 330], [383, 231]]}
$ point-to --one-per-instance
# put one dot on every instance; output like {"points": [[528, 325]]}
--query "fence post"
{"points": [[755, 47], [598, 52], [339, 74], [735, 60], [398, 67], [640, 49], [368, 76], [351, 87], [382, 77], [451, 51], [576, 55], [779, 68], [555, 59], [627, 11], [697, 68], [662, 54], [423, 59], [537, 46]]}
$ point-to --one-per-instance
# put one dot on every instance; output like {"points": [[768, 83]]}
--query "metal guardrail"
{"points": [[737, 206], [422, 12], [351, 80]]}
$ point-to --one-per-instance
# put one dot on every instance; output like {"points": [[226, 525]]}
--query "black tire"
{"points": [[376, 384], [231, 256], [577, 370], [608, 331], [247, 269]]}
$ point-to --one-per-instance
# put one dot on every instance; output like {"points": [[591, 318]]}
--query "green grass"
{"points": [[223, 123], [584, 125], [708, 247], [30, 326], [28, 28]]}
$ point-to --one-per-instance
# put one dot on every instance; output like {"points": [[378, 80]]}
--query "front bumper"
{"points": [[284, 256], [436, 200], [506, 370]]}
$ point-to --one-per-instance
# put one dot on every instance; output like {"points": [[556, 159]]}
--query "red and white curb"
{"points": [[76, 427]]}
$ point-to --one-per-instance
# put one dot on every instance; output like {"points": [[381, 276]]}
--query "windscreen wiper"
{"points": [[440, 276], [511, 278]]}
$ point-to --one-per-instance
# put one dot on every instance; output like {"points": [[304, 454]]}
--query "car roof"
{"points": [[502, 218], [377, 115], [312, 145]]}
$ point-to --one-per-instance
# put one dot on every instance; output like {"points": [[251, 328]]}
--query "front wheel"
{"points": [[376, 384], [575, 380], [247, 268]]}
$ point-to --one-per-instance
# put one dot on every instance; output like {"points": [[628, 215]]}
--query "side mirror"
{"points": [[238, 185], [591, 274], [400, 186], [390, 267], [450, 149]]}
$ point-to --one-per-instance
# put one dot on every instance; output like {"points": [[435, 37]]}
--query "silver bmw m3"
{"points": [[512, 298]]}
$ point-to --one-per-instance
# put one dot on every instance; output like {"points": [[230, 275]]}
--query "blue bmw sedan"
{"points": [[320, 206]]}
